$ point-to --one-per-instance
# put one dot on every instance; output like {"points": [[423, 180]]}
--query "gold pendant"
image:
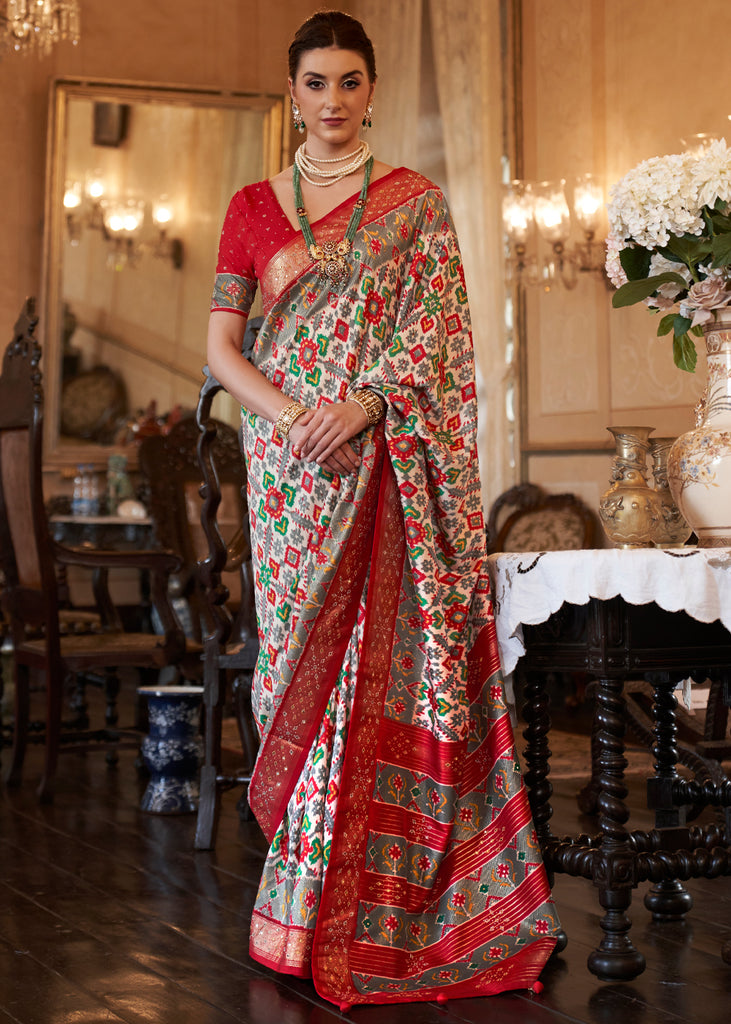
{"points": [[330, 257]]}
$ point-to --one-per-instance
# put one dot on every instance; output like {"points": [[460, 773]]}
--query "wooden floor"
{"points": [[107, 914]]}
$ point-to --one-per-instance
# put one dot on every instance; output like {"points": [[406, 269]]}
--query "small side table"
{"points": [[173, 749]]}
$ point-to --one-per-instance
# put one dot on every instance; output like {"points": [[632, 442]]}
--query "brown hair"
{"points": [[331, 28]]}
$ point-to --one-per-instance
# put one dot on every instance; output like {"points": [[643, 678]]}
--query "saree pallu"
{"points": [[403, 862]]}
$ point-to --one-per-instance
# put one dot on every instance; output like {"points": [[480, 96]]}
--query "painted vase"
{"points": [[630, 509], [172, 750], [672, 531], [699, 463]]}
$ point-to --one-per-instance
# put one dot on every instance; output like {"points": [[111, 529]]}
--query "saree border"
{"points": [[292, 260], [335, 921]]}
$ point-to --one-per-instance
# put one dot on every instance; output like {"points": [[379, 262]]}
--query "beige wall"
{"points": [[241, 45], [607, 83]]}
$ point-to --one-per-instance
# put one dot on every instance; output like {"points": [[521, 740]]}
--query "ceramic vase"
{"points": [[699, 463], [172, 750], [630, 509], [672, 531]]}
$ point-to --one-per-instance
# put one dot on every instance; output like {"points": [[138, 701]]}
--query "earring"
{"points": [[368, 116], [297, 118]]}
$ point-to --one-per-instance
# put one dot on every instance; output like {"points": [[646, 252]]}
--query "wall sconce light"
{"points": [[166, 247], [121, 222], [543, 205], [72, 200]]}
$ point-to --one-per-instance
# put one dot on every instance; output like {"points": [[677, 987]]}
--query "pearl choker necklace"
{"points": [[307, 165]]}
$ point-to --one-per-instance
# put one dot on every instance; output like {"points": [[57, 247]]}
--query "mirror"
{"points": [[138, 182]]}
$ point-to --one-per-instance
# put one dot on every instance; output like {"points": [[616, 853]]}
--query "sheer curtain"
{"points": [[395, 31], [438, 109]]}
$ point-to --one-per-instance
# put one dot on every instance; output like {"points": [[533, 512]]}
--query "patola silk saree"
{"points": [[403, 862]]}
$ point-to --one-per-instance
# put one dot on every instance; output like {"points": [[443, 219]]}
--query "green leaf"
{"points": [[681, 325], [635, 262], [675, 323], [689, 248], [669, 255], [684, 353], [636, 291], [666, 325], [721, 222], [721, 250]]}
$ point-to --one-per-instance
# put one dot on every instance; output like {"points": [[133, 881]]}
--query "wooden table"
{"points": [[625, 618]]}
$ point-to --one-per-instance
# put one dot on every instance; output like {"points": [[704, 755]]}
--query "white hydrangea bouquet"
{"points": [[669, 243]]}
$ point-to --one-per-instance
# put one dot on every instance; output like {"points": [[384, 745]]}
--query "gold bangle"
{"points": [[287, 417], [370, 402]]}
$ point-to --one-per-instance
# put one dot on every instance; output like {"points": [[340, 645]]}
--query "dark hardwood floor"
{"points": [[108, 915]]}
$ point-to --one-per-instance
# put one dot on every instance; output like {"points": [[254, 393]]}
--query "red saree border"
{"points": [[459, 943], [285, 938], [335, 920], [290, 737], [458, 863], [450, 767]]}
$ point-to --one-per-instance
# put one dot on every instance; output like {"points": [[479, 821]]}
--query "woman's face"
{"points": [[332, 91]]}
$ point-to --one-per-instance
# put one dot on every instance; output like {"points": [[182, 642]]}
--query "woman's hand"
{"points": [[323, 435]]}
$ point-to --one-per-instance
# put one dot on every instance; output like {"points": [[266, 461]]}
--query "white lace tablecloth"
{"points": [[528, 587]]}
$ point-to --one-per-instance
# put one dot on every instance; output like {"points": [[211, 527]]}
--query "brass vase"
{"points": [[672, 530], [630, 510]]}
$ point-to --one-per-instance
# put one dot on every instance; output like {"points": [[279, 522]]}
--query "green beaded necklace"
{"points": [[331, 256]]}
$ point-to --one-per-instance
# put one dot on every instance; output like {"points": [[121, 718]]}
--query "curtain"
{"points": [[439, 109], [395, 31], [466, 46]]}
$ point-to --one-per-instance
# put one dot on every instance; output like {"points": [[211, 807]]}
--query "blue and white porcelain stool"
{"points": [[173, 749]]}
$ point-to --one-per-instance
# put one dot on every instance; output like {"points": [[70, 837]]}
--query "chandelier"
{"points": [[37, 25]]}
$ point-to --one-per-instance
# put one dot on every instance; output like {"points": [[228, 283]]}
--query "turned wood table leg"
{"points": [[615, 871], [668, 900], [536, 714], [536, 754]]}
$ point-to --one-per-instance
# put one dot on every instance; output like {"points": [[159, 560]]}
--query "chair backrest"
{"points": [[225, 628], [525, 518], [173, 478], [30, 592]]}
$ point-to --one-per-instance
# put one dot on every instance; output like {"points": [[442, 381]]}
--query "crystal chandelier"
{"points": [[37, 25]]}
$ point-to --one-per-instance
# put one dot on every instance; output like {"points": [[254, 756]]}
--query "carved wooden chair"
{"points": [[525, 518], [172, 480], [231, 645], [29, 559]]}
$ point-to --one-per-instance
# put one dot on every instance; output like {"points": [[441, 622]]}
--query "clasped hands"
{"points": [[323, 435]]}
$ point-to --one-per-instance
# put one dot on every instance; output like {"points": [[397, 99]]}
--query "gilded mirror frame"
{"points": [[274, 141]]}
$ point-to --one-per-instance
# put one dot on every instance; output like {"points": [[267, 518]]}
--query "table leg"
{"points": [[615, 871], [668, 900], [537, 717]]}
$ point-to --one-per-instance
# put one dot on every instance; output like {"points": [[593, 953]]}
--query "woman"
{"points": [[403, 863]]}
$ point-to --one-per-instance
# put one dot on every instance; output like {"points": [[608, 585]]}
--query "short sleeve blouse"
{"points": [[254, 229]]}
